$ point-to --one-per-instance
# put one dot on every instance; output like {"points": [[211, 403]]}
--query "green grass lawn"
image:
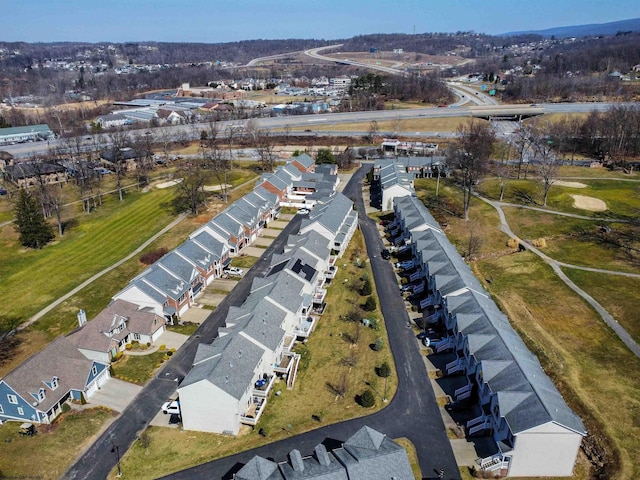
{"points": [[617, 294], [51, 451], [139, 368], [34, 278], [244, 261]]}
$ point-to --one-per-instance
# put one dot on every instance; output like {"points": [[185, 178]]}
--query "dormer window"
{"points": [[41, 394], [54, 383]]}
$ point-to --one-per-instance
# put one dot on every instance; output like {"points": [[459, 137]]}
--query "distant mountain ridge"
{"points": [[611, 28]]}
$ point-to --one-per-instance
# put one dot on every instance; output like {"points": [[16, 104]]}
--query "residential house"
{"points": [[304, 163], [390, 181], [114, 328], [368, 454], [31, 173], [516, 405], [36, 390], [335, 219]]}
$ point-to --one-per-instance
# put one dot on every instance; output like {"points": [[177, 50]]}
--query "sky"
{"points": [[213, 21]]}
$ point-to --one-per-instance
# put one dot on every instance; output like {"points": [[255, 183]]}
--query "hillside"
{"points": [[611, 28]]}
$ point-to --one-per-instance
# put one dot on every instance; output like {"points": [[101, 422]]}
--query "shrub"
{"points": [[153, 256], [378, 344], [367, 399], [264, 432], [539, 243], [512, 243], [169, 353], [117, 356], [66, 408], [366, 288], [162, 347], [384, 370], [128, 346], [370, 305]]}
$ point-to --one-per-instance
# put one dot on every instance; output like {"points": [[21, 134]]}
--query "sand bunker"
{"points": [[168, 184], [562, 183], [215, 188], [589, 203]]}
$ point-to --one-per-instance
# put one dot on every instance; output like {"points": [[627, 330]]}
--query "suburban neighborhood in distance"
{"points": [[382, 256]]}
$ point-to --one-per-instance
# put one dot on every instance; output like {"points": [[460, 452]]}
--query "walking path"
{"points": [[555, 265]]}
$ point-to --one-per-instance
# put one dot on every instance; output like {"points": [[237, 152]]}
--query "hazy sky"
{"points": [[213, 21]]}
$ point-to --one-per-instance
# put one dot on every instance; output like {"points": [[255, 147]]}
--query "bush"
{"points": [[384, 370], [366, 288], [66, 408], [128, 346], [264, 432], [162, 347], [367, 399], [370, 305], [117, 356], [378, 345], [152, 257]]}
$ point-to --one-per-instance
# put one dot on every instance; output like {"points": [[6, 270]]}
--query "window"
{"points": [[1, 409], [20, 411], [136, 336], [94, 370], [41, 394], [12, 399], [54, 383]]}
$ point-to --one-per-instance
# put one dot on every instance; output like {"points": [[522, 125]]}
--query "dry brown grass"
{"points": [[447, 124], [311, 404]]}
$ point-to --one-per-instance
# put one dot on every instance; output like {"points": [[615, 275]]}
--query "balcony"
{"points": [[305, 327], [458, 365], [254, 412], [319, 295], [263, 386], [289, 343], [331, 272], [285, 364]]}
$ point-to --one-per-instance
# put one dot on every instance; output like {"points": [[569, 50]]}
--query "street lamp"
{"points": [[116, 450]]}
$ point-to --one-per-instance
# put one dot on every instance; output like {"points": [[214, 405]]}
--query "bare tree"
{"points": [[374, 130], [545, 160], [265, 148], [119, 141], [470, 154], [190, 194]]}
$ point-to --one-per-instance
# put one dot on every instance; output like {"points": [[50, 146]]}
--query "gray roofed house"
{"points": [[36, 390], [113, 328], [367, 455], [303, 162], [535, 432]]}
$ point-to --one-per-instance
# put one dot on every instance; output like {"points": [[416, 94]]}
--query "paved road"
{"points": [[413, 412], [556, 266], [97, 461]]}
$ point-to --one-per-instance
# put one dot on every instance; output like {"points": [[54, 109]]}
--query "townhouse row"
{"points": [[75, 367], [514, 403], [231, 378]]}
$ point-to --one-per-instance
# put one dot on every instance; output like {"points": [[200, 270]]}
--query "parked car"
{"points": [[234, 271], [386, 254], [428, 341], [172, 408], [3, 191], [303, 211]]}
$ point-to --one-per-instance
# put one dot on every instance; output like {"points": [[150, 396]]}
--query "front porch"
{"points": [[306, 326]]}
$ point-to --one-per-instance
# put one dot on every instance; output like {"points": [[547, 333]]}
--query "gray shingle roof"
{"points": [[58, 359], [231, 367]]}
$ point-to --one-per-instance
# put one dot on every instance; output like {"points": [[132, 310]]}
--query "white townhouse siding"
{"points": [[207, 408], [549, 450]]}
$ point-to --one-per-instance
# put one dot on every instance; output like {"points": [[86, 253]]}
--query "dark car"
{"points": [[3, 191], [385, 254]]}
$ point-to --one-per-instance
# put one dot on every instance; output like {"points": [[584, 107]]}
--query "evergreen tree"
{"points": [[366, 288], [34, 231], [367, 399], [370, 305]]}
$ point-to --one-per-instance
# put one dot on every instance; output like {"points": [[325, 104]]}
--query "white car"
{"points": [[303, 211], [234, 271], [171, 407]]}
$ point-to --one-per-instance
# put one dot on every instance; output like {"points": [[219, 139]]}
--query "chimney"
{"points": [[322, 455], [296, 460], [82, 317]]}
